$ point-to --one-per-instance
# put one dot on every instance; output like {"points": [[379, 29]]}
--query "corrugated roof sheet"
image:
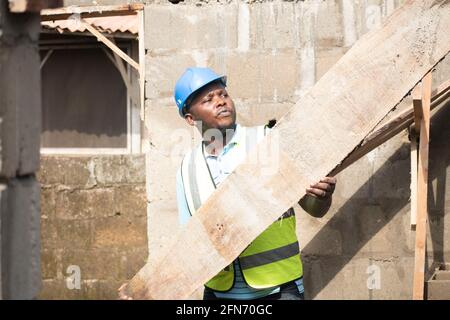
{"points": [[126, 24]]}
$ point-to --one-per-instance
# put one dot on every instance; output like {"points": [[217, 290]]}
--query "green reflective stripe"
{"points": [[270, 256], [193, 185]]}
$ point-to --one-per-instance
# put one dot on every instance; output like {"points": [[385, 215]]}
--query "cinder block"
{"points": [[89, 171], [328, 23], [162, 212], [49, 263], [162, 72], [124, 169], [84, 204], [92, 263], [190, 26], [244, 78], [316, 236], [252, 113], [20, 108], [342, 277], [169, 133], [378, 233], [75, 234], [130, 201], [268, 77], [21, 240], [119, 232], [273, 25], [438, 286], [69, 171]]}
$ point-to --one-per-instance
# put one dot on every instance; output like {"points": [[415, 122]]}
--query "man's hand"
{"points": [[323, 189], [317, 200]]}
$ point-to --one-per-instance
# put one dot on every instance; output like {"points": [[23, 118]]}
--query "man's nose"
{"points": [[219, 101]]}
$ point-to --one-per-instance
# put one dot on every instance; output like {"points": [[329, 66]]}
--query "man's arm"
{"points": [[318, 198]]}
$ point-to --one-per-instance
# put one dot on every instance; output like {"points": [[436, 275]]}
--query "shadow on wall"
{"points": [[358, 223], [438, 187]]}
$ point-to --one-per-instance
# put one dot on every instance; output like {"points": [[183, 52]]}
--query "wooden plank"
{"points": [[91, 11], [422, 192], [110, 44], [330, 120], [390, 129], [20, 6], [413, 177], [47, 56], [141, 19]]}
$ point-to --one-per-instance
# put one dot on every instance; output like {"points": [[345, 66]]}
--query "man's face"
{"points": [[213, 106]]}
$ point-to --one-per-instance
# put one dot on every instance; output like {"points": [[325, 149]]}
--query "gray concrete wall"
{"points": [[93, 224], [272, 52], [20, 107]]}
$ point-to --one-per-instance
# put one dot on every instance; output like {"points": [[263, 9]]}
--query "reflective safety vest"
{"points": [[273, 258]]}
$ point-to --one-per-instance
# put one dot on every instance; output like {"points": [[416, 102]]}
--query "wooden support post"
{"points": [[120, 66], [141, 61], [422, 188], [47, 56], [110, 44]]}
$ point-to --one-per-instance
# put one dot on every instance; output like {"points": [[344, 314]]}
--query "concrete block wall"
{"points": [[272, 51], [20, 107], [94, 225]]}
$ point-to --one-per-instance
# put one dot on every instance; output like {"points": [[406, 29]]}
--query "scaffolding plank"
{"points": [[314, 137]]}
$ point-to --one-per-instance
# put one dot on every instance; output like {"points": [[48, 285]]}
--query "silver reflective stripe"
{"points": [[195, 192], [270, 256]]}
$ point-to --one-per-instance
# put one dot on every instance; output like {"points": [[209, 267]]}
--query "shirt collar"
{"points": [[233, 142]]}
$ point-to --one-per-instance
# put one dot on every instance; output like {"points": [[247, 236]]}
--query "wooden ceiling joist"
{"points": [[91, 11]]}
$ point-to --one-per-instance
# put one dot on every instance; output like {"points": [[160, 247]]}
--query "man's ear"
{"points": [[189, 119]]}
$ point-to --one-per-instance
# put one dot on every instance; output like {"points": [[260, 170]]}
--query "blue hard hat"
{"points": [[192, 80]]}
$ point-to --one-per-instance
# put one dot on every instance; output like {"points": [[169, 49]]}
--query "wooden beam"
{"points": [[141, 19], [20, 6], [117, 62], [385, 132], [47, 56], [329, 121], [91, 11], [422, 191], [110, 44], [414, 142]]}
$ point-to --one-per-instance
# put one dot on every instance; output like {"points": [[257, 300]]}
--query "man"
{"points": [[270, 267]]}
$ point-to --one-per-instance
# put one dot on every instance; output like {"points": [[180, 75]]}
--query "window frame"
{"points": [[133, 123]]}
